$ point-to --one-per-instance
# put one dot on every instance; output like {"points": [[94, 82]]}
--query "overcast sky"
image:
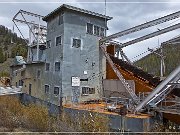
{"points": [[125, 13]]}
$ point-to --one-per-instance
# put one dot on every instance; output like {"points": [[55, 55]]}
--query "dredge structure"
{"points": [[144, 95]]}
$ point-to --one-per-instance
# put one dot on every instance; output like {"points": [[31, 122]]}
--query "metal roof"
{"points": [[65, 6]]}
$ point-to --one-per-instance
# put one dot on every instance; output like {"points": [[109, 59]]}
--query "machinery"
{"points": [[125, 70]]}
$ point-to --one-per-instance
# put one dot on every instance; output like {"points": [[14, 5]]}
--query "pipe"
{"points": [[158, 89]]}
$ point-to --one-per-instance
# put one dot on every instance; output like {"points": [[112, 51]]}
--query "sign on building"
{"points": [[75, 81]]}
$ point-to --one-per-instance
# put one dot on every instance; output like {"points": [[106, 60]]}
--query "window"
{"points": [[38, 74], [47, 87], [60, 19], [89, 28], [58, 41], [76, 43], [22, 73], [21, 82], [47, 66], [30, 88], [48, 44], [96, 30], [56, 90], [102, 32], [57, 66], [87, 90], [91, 90]]}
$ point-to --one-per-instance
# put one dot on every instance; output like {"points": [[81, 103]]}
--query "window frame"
{"points": [[87, 28], [59, 17], [58, 90], [56, 40], [49, 44], [76, 39], [46, 66], [59, 66], [98, 30], [46, 92], [38, 75], [88, 92]]}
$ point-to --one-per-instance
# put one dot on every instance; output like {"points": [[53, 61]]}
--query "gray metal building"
{"points": [[74, 65]]}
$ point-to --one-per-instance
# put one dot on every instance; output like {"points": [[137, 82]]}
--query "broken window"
{"points": [[56, 90], [47, 66], [89, 28], [76, 43], [61, 19], [102, 32], [38, 74], [48, 44], [47, 87], [58, 40], [57, 66], [96, 30]]}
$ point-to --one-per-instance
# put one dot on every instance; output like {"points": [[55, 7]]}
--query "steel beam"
{"points": [[142, 26], [158, 89], [26, 22], [162, 31]]}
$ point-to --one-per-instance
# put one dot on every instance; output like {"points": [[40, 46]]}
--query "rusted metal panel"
{"points": [[115, 88]]}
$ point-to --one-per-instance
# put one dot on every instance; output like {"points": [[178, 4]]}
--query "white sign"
{"points": [[75, 81], [85, 72]]}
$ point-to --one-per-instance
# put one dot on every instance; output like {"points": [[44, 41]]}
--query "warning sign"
{"points": [[75, 81]]}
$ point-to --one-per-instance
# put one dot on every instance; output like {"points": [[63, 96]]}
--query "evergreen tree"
{"points": [[1, 55]]}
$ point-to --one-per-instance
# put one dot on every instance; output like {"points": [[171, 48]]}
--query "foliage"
{"points": [[19, 50], [4, 74], [11, 44], [32, 117], [87, 121], [1, 55], [151, 62]]}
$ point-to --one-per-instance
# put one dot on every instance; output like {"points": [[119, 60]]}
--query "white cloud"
{"points": [[125, 15]]}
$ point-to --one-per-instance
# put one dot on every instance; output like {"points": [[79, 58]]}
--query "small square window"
{"points": [[47, 87], [38, 74], [76, 43], [47, 66], [58, 41], [57, 66], [56, 90], [48, 44], [89, 28]]}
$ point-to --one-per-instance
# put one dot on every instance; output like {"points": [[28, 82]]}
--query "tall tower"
{"points": [[74, 63]]}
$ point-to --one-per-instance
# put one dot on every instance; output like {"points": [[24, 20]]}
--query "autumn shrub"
{"points": [[14, 114], [33, 117], [87, 121]]}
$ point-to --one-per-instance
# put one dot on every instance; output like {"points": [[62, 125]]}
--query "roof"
{"points": [[65, 6], [29, 63]]}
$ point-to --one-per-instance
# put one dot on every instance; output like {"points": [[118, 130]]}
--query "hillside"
{"points": [[151, 62], [10, 46]]}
